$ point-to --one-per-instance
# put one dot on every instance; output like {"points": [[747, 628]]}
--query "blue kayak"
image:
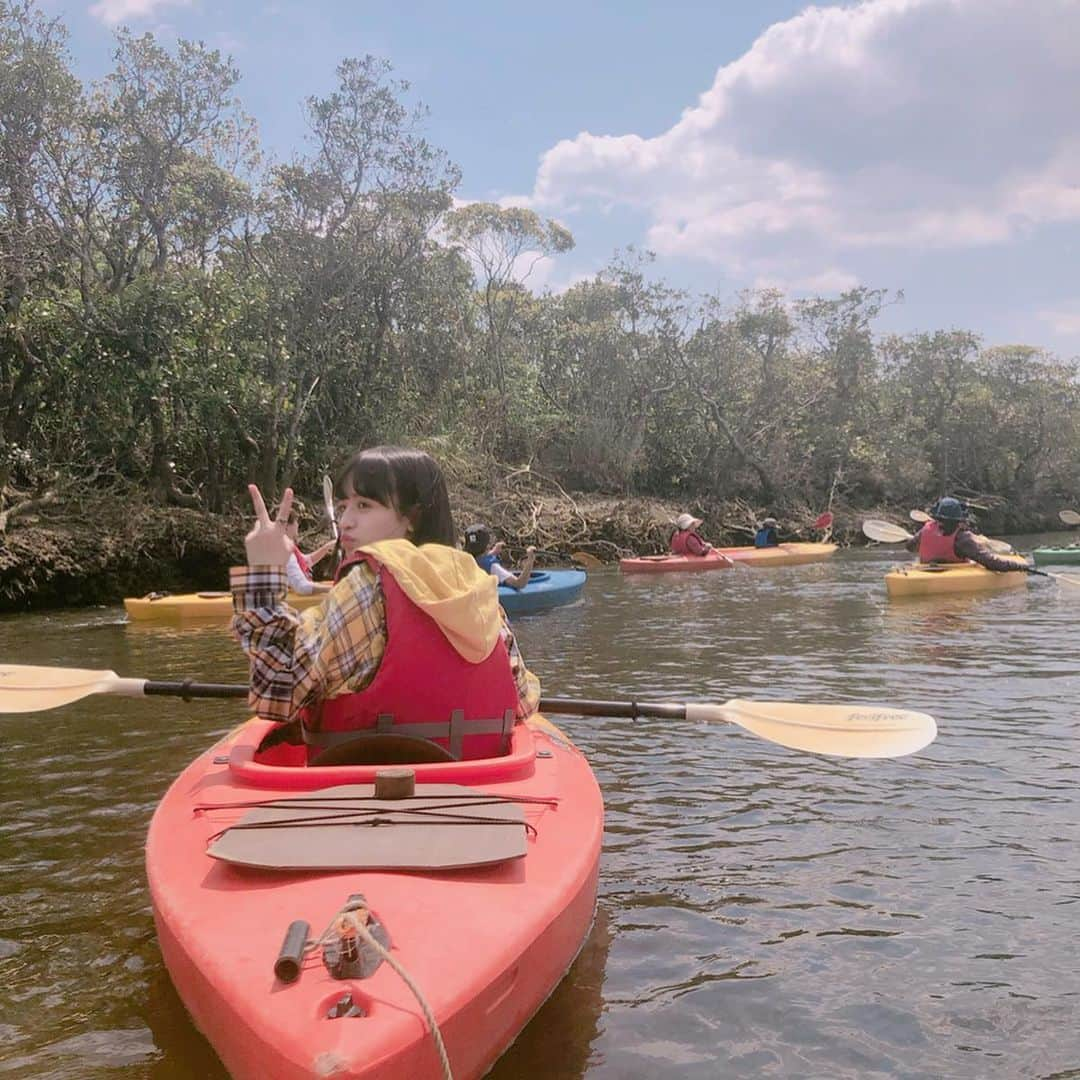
{"points": [[545, 589]]}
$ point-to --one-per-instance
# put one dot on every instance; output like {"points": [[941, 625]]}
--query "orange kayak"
{"points": [[485, 936], [662, 564], [782, 555]]}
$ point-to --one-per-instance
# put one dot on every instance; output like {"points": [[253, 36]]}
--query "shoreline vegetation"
{"points": [[182, 315], [97, 551]]}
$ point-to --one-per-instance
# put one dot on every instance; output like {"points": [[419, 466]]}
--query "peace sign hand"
{"points": [[268, 544]]}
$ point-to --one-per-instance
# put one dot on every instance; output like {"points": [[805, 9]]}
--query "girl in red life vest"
{"points": [[299, 567], [410, 640], [687, 540]]}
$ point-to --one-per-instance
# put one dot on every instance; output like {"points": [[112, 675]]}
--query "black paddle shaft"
{"points": [[189, 690], [629, 709]]}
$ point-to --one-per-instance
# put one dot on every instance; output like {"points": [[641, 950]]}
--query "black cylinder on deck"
{"points": [[291, 954]]}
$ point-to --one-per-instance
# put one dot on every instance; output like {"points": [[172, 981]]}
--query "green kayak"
{"points": [[1049, 556]]}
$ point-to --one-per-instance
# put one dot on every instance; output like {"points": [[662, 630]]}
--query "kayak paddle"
{"points": [[590, 562], [328, 503], [1069, 517], [858, 731], [886, 533]]}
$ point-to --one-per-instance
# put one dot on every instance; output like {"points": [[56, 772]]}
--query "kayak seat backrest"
{"points": [[376, 748], [284, 765]]}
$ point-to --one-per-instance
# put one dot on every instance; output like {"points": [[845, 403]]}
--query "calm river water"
{"points": [[762, 912]]}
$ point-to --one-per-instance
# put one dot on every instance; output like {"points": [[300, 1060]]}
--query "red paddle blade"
{"points": [[824, 521]]}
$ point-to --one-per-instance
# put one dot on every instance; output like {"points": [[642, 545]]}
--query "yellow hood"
{"points": [[449, 586]]}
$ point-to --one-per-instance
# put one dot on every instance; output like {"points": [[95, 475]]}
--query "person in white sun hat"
{"points": [[686, 540]]}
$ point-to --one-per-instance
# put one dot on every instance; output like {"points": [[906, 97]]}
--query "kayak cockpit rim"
{"points": [[518, 764]]}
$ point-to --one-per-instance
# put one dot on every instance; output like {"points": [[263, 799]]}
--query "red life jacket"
{"points": [[680, 543], [423, 687], [936, 546], [303, 562]]}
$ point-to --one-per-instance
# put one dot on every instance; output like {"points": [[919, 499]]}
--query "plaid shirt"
{"points": [[332, 649]]}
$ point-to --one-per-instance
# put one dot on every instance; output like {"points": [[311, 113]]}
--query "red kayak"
{"points": [[481, 885]]}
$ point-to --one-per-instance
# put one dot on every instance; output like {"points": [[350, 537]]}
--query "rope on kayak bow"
{"points": [[354, 921]]}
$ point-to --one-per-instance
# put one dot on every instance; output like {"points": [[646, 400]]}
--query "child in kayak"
{"points": [[299, 567], [686, 540], [767, 534], [409, 642], [478, 544], [947, 538]]}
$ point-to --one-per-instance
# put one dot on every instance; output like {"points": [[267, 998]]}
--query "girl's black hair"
{"points": [[408, 481], [477, 540]]}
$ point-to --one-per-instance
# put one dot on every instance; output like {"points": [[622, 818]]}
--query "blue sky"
{"points": [[923, 145]]}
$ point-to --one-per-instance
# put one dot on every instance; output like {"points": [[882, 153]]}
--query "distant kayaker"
{"points": [[947, 538], [299, 567], [686, 540], [410, 641], [478, 543], [768, 534]]}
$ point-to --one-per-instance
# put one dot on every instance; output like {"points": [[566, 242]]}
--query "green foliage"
{"points": [[179, 317]]}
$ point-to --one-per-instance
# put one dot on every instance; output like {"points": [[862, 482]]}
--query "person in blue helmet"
{"points": [[947, 538]]}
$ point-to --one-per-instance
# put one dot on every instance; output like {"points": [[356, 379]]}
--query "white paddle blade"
{"points": [[328, 503], [25, 688], [920, 516], [854, 731], [884, 532], [998, 547], [1064, 579], [1069, 517]]}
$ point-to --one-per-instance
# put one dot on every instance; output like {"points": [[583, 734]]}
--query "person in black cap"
{"points": [[478, 543]]}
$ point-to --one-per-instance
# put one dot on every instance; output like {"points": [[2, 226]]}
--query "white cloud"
{"points": [[1064, 321], [118, 11], [893, 125]]}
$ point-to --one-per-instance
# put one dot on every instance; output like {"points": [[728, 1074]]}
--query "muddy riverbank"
{"points": [[100, 549]]}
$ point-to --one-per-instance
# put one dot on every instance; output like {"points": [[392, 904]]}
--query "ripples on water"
{"points": [[763, 912]]}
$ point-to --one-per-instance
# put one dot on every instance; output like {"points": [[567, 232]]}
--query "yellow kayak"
{"points": [[933, 579], [166, 607], [781, 555]]}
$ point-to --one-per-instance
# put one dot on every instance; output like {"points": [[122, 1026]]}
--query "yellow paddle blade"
{"points": [[858, 731], [1069, 517], [590, 562], [919, 515], [25, 688], [884, 532]]}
